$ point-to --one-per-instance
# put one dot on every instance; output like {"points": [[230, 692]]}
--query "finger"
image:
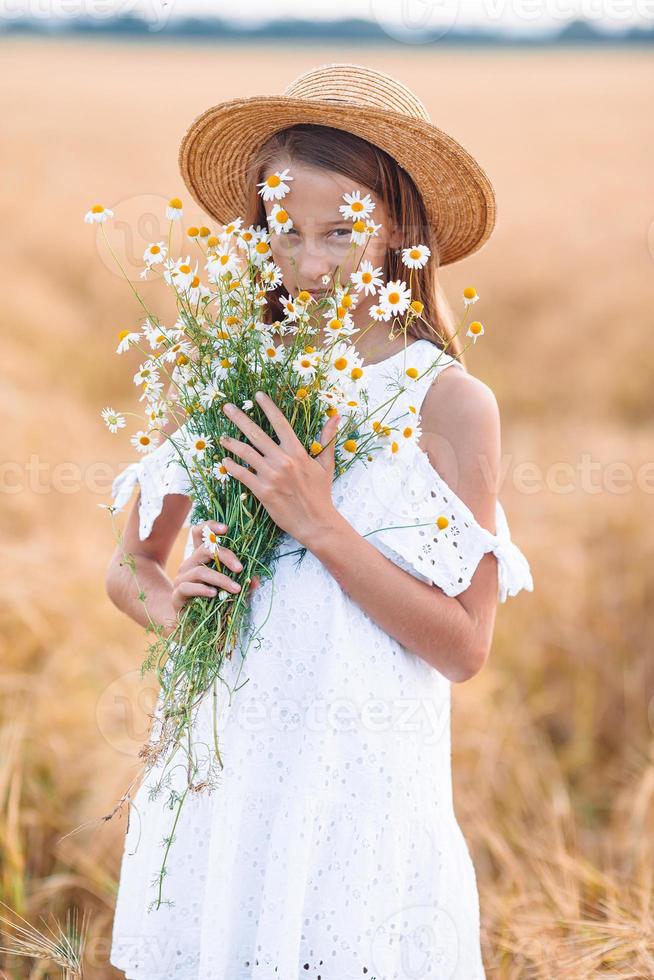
{"points": [[260, 439], [203, 574], [283, 428], [248, 453], [186, 590], [247, 477]]}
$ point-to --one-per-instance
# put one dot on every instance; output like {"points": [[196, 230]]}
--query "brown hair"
{"points": [[374, 169]]}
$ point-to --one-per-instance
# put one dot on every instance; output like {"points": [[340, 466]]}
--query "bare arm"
{"points": [[164, 598], [461, 434]]}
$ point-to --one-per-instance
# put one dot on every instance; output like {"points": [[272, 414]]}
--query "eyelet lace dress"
{"points": [[330, 848]]}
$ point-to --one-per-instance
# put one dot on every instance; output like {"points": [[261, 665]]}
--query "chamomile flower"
{"points": [[232, 229], [272, 353], [125, 339], [113, 420], [146, 373], [475, 330], [219, 473], [279, 220], [356, 207], [274, 187], [247, 405], [197, 291], [180, 273], [220, 261], [98, 213], [142, 441], [306, 364], [416, 256], [174, 210], [156, 414], [198, 445], [395, 297], [367, 278], [246, 238], [362, 230], [470, 295], [211, 540], [271, 275], [261, 251], [291, 308], [211, 393], [380, 313], [345, 364], [155, 253]]}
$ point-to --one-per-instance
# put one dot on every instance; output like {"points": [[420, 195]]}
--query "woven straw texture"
{"points": [[217, 148]]}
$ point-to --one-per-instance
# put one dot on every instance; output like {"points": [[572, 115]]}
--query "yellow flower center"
{"points": [[417, 306], [475, 327], [304, 296], [182, 359], [175, 202], [200, 444], [470, 292], [261, 248], [282, 216], [97, 209], [356, 373], [123, 334], [274, 180], [271, 352], [192, 232], [184, 268], [204, 231], [346, 301], [357, 206], [315, 448], [195, 282], [415, 253], [145, 440], [340, 363], [350, 445], [155, 250], [212, 241], [407, 432], [335, 324], [412, 372], [393, 298], [359, 226], [225, 362], [442, 522], [301, 393], [366, 277]]}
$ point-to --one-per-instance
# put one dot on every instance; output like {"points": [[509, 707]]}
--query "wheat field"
{"points": [[552, 741]]}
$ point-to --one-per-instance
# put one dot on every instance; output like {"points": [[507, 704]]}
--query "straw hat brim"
{"points": [[218, 146]]}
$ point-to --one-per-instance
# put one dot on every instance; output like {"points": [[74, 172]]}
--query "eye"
{"points": [[344, 231]]}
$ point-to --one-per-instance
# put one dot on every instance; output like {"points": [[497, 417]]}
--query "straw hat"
{"points": [[219, 144]]}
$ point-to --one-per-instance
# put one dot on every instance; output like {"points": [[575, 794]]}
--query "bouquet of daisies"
{"points": [[220, 349]]}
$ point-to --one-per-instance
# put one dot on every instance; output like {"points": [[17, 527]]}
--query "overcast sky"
{"points": [[402, 17]]}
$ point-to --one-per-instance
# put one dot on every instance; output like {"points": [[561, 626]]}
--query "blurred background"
{"points": [[552, 741]]}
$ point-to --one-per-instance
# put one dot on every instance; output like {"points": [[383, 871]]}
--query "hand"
{"points": [[295, 488], [195, 578]]}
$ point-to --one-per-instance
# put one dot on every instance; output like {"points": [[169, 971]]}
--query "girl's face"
{"points": [[320, 240]]}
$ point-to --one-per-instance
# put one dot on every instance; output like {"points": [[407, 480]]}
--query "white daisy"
{"points": [[232, 229], [470, 295], [274, 187], [362, 230], [271, 275], [211, 540], [380, 313], [343, 359], [221, 260], [180, 272], [416, 256], [210, 393], [156, 414], [147, 373], [114, 420], [142, 441], [219, 472], [279, 220], [174, 209], [272, 353], [198, 445], [247, 405], [125, 338], [475, 330], [261, 252], [395, 297], [155, 253], [306, 365], [98, 213], [290, 306], [356, 206], [367, 278]]}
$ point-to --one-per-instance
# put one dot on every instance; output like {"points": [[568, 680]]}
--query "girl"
{"points": [[331, 849]]}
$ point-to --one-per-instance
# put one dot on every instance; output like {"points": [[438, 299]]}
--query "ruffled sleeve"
{"points": [[416, 495], [158, 473]]}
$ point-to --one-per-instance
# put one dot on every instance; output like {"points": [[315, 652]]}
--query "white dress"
{"points": [[330, 849]]}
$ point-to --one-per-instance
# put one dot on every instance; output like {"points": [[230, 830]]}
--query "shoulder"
{"points": [[460, 422]]}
